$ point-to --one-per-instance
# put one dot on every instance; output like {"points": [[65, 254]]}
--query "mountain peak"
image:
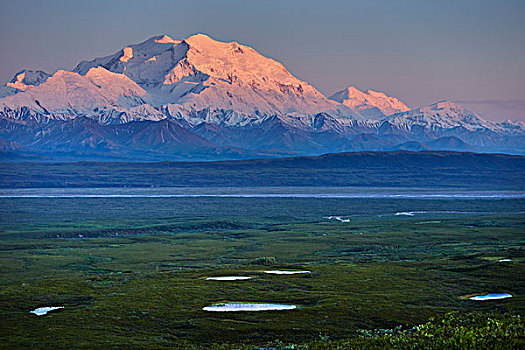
{"points": [[200, 37], [186, 78], [205, 42], [231, 96], [376, 93], [443, 114], [164, 39], [445, 105], [353, 91], [27, 79], [370, 104]]}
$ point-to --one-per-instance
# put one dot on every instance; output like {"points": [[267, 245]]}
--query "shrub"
{"points": [[264, 260]]}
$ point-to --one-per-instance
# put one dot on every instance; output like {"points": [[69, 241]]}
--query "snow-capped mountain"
{"points": [[448, 119], [23, 81], [370, 104], [440, 115], [201, 98], [203, 80], [28, 79], [513, 126], [100, 94]]}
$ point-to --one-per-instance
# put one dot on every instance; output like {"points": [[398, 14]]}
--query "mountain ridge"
{"points": [[230, 96], [373, 103]]}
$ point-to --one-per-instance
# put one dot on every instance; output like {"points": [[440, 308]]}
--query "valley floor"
{"points": [[131, 272]]}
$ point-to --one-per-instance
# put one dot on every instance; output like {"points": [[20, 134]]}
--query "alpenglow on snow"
{"points": [[200, 98]]}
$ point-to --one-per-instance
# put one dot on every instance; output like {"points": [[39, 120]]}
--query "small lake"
{"points": [[41, 311], [284, 272], [491, 296], [405, 213], [237, 307], [338, 218]]}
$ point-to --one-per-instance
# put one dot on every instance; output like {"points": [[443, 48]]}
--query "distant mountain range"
{"points": [[201, 99]]}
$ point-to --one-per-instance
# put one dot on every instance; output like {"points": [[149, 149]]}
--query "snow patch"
{"points": [[18, 83], [128, 54]]}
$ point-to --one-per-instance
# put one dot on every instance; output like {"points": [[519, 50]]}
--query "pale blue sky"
{"points": [[420, 51]]}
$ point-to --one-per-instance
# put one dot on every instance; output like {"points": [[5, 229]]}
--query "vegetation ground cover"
{"points": [[131, 272]]}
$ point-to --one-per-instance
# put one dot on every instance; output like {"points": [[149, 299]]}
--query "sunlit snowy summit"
{"points": [[206, 99]]}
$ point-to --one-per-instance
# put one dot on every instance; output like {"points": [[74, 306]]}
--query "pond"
{"points": [[41, 311], [228, 278], [282, 272], [338, 218], [491, 296], [236, 307]]}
